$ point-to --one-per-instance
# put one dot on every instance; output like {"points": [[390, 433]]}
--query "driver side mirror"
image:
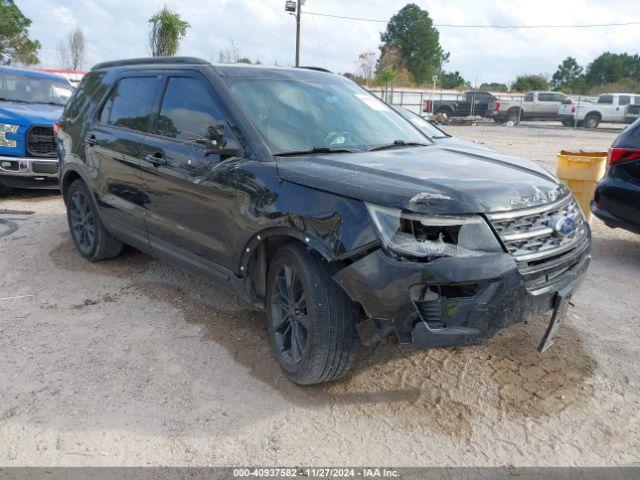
{"points": [[222, 142]]}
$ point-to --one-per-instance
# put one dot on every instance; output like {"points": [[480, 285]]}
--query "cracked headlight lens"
{"points": [[422, 236], [6, 128]]}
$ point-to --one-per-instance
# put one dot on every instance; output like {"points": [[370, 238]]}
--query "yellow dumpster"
{"points": [[580, 171]]}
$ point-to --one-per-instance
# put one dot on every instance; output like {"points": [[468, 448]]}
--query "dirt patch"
{"points": [[130, 262], [445, 389]]}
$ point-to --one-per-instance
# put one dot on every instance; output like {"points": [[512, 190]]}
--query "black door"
{"points": [[115, 145], [189, 188]]}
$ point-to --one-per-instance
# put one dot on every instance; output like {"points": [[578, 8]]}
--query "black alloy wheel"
{"points": [[290, 315], [82, 221]]}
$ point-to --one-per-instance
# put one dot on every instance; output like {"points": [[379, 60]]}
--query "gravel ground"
{"points": [[162, 368]]}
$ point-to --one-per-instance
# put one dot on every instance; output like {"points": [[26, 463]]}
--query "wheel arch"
{"points": [[594, 113], [448, 109], [262, 247]]}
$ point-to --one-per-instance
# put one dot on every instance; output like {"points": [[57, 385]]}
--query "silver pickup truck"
{"points": [[610, 108], [533, 106]]}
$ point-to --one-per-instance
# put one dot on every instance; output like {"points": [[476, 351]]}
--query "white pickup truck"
{"points": [[533, 106], [610, 107]]}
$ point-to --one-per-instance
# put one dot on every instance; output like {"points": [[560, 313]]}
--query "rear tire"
{"points": [[311, 321], [92, 240], [514, 116], [591, 121], [567, 123]]}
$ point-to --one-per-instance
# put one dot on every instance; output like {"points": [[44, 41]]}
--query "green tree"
{"points": [[412, 34], [494, 87], [452, 80], [612, 67], [166, 31], [15, 44], [526, 83], [569, 76]]}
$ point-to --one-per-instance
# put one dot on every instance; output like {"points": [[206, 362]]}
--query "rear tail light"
{"points": [[56, 128], [427, 106], [497, 107], [619, 155], [573, 109]]}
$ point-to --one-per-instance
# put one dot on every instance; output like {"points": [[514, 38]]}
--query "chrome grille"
{"points": [[530, 234]]}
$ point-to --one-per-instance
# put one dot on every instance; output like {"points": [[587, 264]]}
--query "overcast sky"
{"points": [[262, 30]]}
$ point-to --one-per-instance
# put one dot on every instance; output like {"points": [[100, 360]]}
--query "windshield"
{"points": [[25, 88], [292, 115], [426, 127]]}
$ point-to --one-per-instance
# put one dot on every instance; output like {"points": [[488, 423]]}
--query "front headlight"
{"points": [[421, 236], [6, 128]]}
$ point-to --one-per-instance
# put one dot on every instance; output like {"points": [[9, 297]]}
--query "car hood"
{"points": [[29, 113], [436, 179], [454, 142]]}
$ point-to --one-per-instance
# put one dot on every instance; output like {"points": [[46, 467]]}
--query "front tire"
{"points": [[311, 321], [91, 239]]}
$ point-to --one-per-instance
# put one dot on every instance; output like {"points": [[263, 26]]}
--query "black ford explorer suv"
{"points": [[308, 196]]}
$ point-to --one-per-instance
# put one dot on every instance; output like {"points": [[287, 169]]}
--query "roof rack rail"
{"points": [[151, 61], [317, 69]]}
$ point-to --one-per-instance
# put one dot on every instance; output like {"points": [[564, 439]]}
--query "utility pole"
{"points": [[294, 7], [298, 15]]}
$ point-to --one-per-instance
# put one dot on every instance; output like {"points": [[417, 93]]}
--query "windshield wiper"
{"points": [[2, 99], [295, 153], [397, 143]]}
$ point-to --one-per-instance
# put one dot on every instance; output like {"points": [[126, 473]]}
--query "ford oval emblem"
{"points": [[564, 226]]}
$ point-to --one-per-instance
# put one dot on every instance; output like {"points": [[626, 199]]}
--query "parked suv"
{"points": [[313, 199], [617, 197], [30, 104]]}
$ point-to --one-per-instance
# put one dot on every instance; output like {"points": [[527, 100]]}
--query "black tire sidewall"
{"points": [[79, 186], [594, 119], [318, 336]]}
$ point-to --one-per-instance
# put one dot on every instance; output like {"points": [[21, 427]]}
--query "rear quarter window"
{"points": [[129, 104]]}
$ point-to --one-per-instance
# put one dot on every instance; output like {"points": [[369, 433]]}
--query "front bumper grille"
{"points": [[45, 167], [537, 233], [543, 242], [40, 141]]}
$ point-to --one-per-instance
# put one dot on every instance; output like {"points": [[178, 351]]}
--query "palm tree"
{"points": [[165, 32]]}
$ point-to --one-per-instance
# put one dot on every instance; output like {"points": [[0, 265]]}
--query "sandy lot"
{"points": [[134, 362]]}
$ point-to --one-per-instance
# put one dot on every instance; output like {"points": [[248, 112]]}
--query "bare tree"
{"points": [[366, 64], [71, 50], [229, 54]]}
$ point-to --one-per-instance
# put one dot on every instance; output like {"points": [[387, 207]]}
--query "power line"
{"points": [[448, 25]]}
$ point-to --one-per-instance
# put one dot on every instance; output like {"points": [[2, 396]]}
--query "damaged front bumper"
{"points": [[455, 301]]}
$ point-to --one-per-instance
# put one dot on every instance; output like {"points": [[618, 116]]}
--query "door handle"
{"points": [[157, 159], [91, 140]]}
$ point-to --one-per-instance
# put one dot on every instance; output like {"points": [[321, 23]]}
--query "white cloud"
{"points": [[262, 30], [63, 15]]}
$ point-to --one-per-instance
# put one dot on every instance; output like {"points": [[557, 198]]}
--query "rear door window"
{"points": [[189, 111], [130, 103], [528, 97], [605, 99], [624, 100]]}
